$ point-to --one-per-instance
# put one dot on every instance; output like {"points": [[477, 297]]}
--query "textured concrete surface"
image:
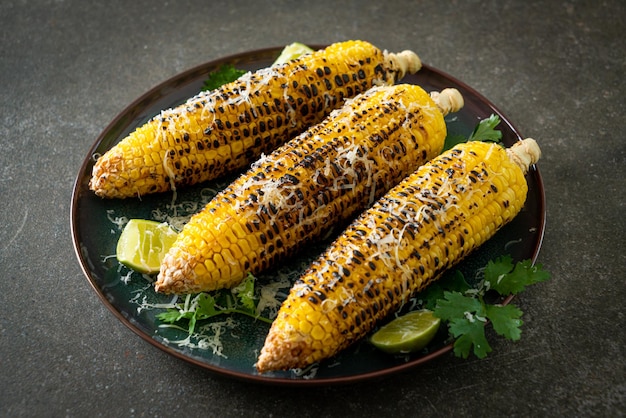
{"points": [[555, 68]]}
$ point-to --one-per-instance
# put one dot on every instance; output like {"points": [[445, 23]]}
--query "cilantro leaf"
{"points": [[454, 282], [245, 293], [172, 316], [239, 300], [466, 318], [516, 278], [466, 311], [456, 305], [497, 269], [223, 75], [486, 130], [205, 307], [469, 334], [506, 320]]}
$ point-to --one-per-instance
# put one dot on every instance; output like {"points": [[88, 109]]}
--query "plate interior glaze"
{"points": [[96, 226]]}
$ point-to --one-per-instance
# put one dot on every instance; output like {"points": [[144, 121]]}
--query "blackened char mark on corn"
{"points": [[295, 195], [420, 228], [224, 130]]}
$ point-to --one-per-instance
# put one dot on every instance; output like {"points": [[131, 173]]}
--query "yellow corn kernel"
{"points": [[379, 272], [317, 332], [306, 327], [223, 242], [234, 124], [209, 265], [201, 269], [237, 253], [326, 175], [218, 259], [230, 235], [253, 243], [238, 231], [244, 247]]}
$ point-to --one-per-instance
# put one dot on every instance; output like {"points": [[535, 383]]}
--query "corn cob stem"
{"points": [[221, 131], [296, 194], [406, 240], [525, 153], [448, 100]]}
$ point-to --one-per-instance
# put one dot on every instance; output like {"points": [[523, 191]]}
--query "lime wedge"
{"points": [[291, 52], [407, 333], [143, 244]]}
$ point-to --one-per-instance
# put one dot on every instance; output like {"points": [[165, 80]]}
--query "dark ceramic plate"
{"points": [[95, 234]]}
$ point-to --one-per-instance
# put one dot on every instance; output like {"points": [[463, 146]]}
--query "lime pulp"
{"points": [[408, 333], [143, 244]]}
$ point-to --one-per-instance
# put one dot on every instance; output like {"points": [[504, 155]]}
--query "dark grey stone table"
{"points": [[556, 69]]}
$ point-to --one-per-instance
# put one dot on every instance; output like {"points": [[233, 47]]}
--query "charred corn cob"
{"points": [[421, 228], [295, 195], [224, 130]]}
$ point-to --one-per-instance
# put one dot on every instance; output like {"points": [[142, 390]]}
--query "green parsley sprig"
{"points": [[467, 312]]}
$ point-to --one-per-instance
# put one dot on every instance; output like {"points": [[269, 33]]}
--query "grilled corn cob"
{"points": [[419, 229], [295, 195], [224, 130]]}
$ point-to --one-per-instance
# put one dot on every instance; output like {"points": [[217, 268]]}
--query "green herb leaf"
{"points": [[507, 279], [506, 320], [466, 316], [469, 334], [454, 282], [205, 307], [171, 316], [245, 293], [497, 269], [239, 300], [486, 130], [456, 305], [223, 75], [452, 140], [192, 324], [466, 311]]}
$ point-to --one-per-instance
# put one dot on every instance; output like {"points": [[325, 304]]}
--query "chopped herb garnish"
{"points": [[194, 308]]}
